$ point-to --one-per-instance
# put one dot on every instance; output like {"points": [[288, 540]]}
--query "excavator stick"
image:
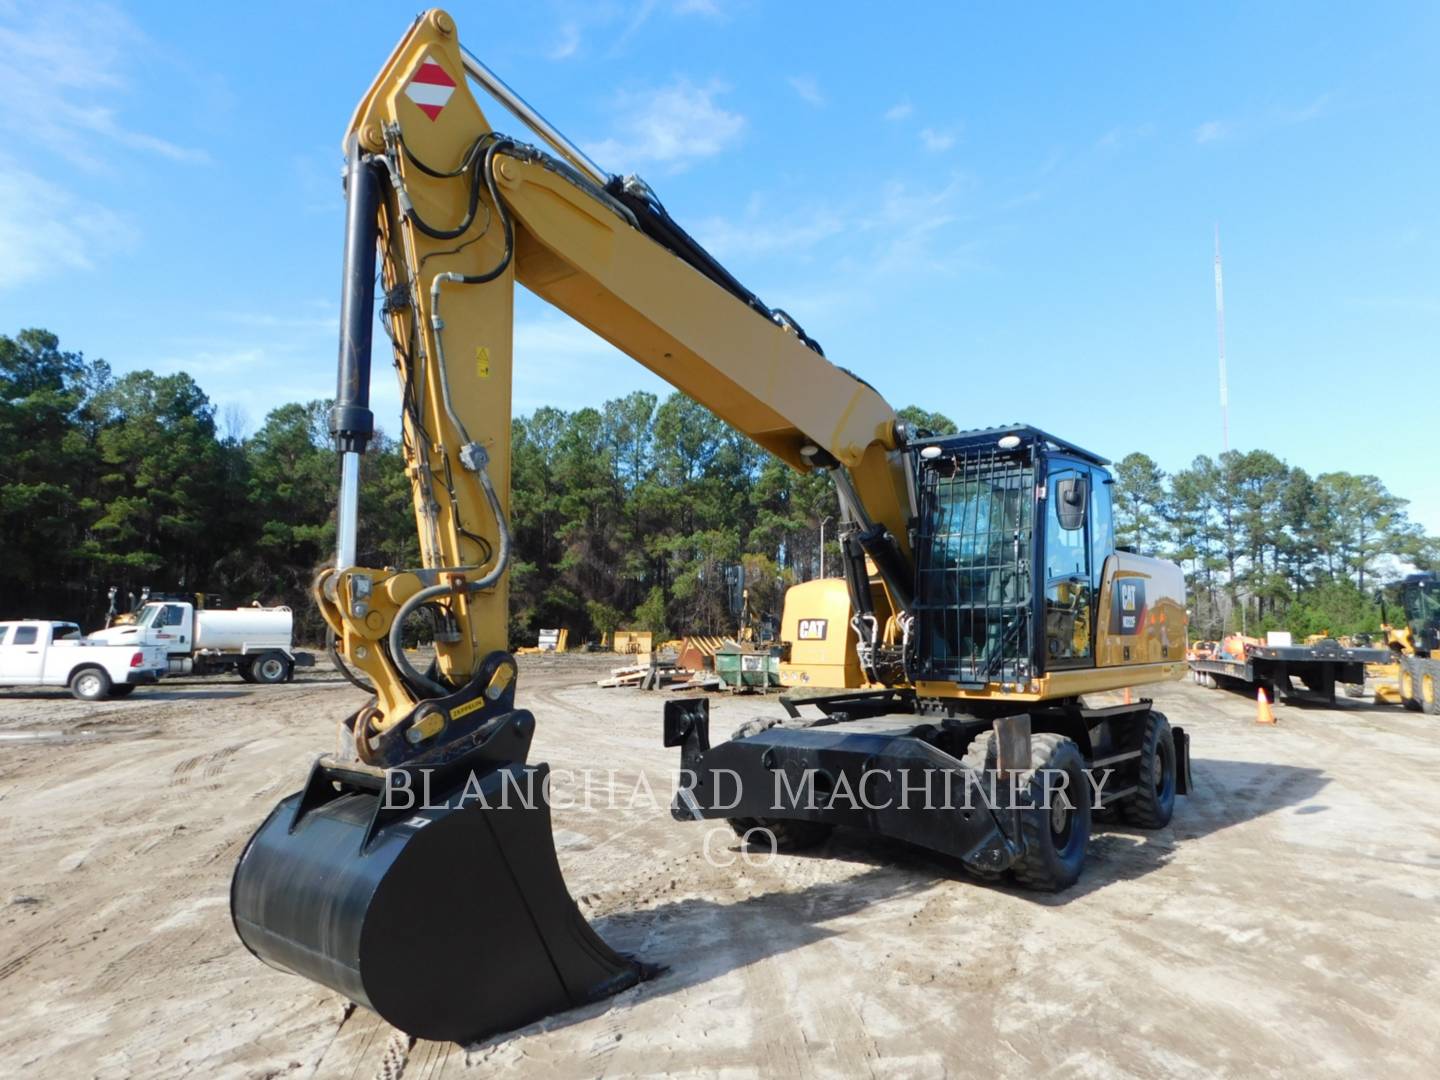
{"points": [[431, 895], [421, 880]]}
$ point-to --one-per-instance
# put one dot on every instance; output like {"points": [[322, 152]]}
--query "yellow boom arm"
{"points": [[461, 213]]}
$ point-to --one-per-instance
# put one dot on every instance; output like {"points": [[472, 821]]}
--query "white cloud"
{"points": [[265, 320], [808, 90], [754, 235], [891, 230], [45, 231], [568, 44], [64, 70], [63, 73], [559, 362], [672, 126], [710, 9], [899, 111], [907, 222], [1302, 114], [1124, 135], [1212, 131], [1276, 116], [936, 141]]}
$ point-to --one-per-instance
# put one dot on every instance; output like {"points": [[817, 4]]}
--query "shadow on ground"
{"points": [[699, 939], [141, 696]]}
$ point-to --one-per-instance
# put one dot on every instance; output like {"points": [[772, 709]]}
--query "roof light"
{"points": [[930, 453], [1009, 442]]}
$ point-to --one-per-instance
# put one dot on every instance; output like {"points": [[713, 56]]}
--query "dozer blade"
{"points": [[451, 922]]}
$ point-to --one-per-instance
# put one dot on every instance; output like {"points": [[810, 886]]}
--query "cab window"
{"points": [[1102, 525], [1069, 590], [25, 635]]}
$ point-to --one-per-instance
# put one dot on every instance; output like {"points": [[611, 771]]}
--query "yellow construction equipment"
{"points": [[983, 592], [1415, 644]]}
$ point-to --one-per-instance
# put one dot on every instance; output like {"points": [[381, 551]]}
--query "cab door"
{"points": [[22, 655], [1069, 575], [172, 628]]}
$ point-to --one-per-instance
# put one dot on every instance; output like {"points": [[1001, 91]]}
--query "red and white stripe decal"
{"points": [[430, 87]]}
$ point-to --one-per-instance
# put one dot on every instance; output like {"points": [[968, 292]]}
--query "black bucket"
{"points": [[451, 923]]}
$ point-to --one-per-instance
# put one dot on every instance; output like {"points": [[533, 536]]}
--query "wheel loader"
{"points": [[1415, 643], [984, 593]]}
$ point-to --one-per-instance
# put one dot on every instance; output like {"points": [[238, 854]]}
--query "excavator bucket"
{"points": [[442, 910]]}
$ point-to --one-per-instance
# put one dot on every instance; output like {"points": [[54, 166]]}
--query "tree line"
{"points": [[644, 512], [1267, 546]]}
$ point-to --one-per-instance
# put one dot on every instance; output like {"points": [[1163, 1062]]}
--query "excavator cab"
{"points": [[1014, 531], [1420, 599]]}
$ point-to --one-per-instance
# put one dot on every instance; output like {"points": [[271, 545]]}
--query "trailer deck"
{"points": [[1271, 667]]}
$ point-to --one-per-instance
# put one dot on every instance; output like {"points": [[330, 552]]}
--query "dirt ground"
{"points": [[1284, 924]]}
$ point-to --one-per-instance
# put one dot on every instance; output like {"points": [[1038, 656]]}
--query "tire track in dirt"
{"points": [[15, 963]]}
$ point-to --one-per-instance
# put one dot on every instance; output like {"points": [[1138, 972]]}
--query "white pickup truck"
{"points": [[35, 652]]}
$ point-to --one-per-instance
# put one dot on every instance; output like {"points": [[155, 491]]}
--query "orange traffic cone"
{"points": [[1263, 715]]}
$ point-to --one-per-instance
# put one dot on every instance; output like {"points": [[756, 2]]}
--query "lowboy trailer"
{"points": [[1271, 667]]}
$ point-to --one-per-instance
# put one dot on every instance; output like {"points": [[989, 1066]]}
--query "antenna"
{"points": [[1220, 330]]}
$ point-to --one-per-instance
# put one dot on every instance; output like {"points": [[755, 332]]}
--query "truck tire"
{"points": [[789, 834], [1056, 837], [270, 668], [1154, 800], [90, 684]]}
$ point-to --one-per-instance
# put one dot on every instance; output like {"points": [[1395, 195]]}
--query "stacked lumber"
{"points": [[644, 676]]}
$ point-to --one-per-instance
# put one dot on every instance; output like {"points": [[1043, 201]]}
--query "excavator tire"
{"points": [[789, 833], [449, 917], [1154, 800], [1055, 839]]}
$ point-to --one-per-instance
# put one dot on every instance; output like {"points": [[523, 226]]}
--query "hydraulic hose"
{"points": [[434, 592]]}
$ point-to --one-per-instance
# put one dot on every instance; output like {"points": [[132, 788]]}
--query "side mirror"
{"points": [[1070, 498]]}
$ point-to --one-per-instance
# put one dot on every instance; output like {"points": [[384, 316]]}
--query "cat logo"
{"points": [[813, 629], [1127, 606]]}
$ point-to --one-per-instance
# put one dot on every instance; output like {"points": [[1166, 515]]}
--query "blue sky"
{"points": [[1003, 212]]}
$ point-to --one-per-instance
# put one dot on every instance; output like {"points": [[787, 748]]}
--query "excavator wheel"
{"points": [[1056, 838], [1154, 800], [450, 919], [789, 834]]}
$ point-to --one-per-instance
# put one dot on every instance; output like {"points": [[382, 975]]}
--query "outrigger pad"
{"points": [[451, 923]]}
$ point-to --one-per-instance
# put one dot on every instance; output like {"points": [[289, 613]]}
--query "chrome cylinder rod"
{"points": [[496, 88], [347, 518]]}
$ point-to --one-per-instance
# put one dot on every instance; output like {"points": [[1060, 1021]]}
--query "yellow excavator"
{"points": [[983, 591]]}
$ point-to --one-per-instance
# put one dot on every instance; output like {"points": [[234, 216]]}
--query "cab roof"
{"points": [[1026, 433]]}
